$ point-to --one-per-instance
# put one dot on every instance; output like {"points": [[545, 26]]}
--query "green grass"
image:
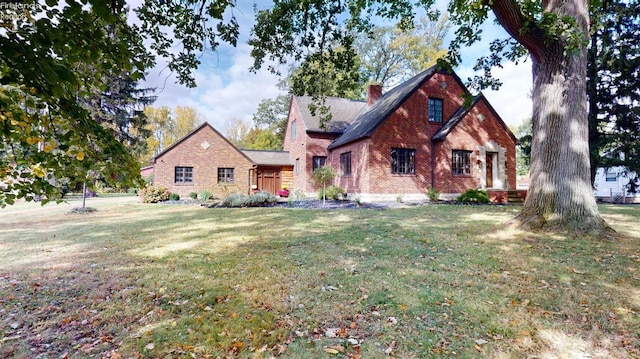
{"points": [[150, 281]]}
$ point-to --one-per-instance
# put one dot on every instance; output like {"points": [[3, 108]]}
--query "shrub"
{"points": [[474, 196], [174, 197], [255, 200], [153, 194], [205, 195], [333, 192], [433, 194], [193, 195]]}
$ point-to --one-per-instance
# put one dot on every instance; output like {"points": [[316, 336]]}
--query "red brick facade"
{"points": [[205, 150], [399, 123], [479, 131], [302, 147]]}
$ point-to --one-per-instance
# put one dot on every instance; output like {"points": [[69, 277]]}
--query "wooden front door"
{"points": [[489, 172], [269, 180]]}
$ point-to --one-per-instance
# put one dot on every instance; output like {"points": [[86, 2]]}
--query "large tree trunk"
{"points": [[560, 195]]}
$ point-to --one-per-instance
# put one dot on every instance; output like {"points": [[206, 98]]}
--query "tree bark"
{"points": [[560, 196]]}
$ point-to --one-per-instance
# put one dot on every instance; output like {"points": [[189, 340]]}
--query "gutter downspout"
{"points": [[433, 161]]}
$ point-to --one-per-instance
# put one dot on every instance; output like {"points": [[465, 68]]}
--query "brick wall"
{"points": [[205, 161], [358, 180], [470, 134], [302, 148], [297, 151], [409, 127]]}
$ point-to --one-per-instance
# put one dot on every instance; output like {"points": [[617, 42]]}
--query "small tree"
{"points": [[323, 176]]}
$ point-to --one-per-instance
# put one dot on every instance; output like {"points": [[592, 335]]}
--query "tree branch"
{"points": [[521, 28]]}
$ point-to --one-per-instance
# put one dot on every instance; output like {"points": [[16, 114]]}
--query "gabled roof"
{"points": [[343, 111], [269, 158], [205, 124], [367, 121], [460, 113]]}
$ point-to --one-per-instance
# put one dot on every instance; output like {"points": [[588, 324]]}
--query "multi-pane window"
{"points": [[403, 160], [435, 110], [345, 163], [183, 175], [294, 130], [319, 161], [611, 177], [461, 162], [225, 175]]}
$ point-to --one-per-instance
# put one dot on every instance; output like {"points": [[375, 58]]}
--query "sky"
{"points": [[226, 89]]}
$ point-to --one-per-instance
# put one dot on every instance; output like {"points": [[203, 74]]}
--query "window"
{"points": [[294, 130], [461, 162], [611, 176], [296, 167], [183, 174], [319, 161], [403, 161], [435, 110], [225, 175], [345, 163]]}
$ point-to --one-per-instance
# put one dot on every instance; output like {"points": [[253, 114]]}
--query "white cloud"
{"points": [[221, 93], [513, 100]]}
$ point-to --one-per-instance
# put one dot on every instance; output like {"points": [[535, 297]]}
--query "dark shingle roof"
{"points": [[454, 120], [369, 120], [342, 110], [269, 158], [460, 113]]}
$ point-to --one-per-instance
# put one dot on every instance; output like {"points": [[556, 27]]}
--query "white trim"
{"points": [[500, 180]]}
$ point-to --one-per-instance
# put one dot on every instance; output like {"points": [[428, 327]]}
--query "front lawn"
{"points": [[161, 281]]}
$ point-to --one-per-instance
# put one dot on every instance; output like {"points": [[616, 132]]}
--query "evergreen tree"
{"points": [[612, 86], [120, 107]]}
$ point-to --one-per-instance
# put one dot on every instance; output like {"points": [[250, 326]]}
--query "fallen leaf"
{"points": [[331, 332], [150, 346], [480, 341], [389, 350], [333, 349], [281, 348]]}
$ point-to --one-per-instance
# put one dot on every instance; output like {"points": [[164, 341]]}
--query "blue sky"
{"points": [[226, 89]]}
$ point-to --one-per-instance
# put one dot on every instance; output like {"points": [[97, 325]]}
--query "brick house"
{"points": [[205, 159], [416, 136]]}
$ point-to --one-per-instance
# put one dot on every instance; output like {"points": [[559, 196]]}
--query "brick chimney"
{"points": [[374, 92]]}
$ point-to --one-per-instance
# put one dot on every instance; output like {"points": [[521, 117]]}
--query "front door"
{"points": [[489, 172], [269, 180]]}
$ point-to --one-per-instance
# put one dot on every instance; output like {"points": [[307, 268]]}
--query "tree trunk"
{"points": [[592, 95], [560, 196]]}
